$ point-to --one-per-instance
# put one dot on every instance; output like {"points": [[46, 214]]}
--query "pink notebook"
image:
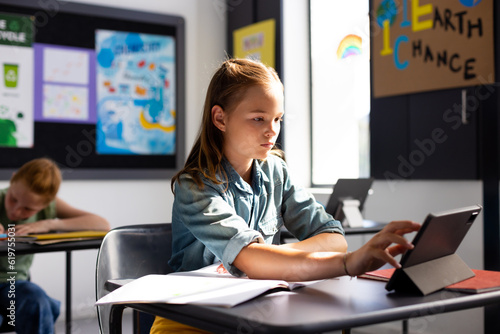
{"points": [[484, 281]]}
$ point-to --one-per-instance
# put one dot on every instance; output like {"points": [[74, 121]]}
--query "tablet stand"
{"points": [[350, 208], [433, 275]]}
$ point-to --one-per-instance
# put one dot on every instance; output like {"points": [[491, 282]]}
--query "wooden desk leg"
{"points": [[68, 292]]}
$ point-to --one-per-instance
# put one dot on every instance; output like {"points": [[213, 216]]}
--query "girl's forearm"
{"points": [[275, 262]]}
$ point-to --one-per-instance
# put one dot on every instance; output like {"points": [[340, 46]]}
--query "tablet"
{"points": [[438, 238], [347, 189]]}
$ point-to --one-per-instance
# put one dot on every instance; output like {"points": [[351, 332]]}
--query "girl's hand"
{"points": [[221, 269], [41, 226], [378, 250]]}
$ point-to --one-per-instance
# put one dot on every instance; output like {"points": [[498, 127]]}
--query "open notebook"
{"points": [[202, 287]]}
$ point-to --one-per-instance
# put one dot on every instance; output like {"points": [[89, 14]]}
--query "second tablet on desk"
{"points": [[348, 189]]}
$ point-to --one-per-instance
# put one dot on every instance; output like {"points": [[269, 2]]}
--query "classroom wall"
{"points": [[125, 202]]}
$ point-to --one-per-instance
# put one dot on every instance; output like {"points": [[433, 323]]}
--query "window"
{"points": [[340, 94]]}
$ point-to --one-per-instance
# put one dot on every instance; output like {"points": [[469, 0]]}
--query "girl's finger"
{"points": [[396, 250], [401, 226], [384, 240]]}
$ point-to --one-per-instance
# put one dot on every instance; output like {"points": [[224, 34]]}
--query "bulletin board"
{"points": [[424, 45], [99, 90]]}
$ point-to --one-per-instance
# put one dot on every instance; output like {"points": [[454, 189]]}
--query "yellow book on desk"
{"points": [[49, 238]]}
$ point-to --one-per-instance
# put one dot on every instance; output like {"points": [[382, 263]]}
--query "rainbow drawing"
{"points": [[349, 46]]}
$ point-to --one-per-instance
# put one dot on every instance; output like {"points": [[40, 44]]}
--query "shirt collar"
{"points": [[235, 179]]}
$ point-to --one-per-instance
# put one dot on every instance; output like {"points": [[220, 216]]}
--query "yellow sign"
{"points": [[423, 45], [256, 41]]}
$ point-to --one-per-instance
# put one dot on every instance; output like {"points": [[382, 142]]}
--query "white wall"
{"points": [[125, 202], [296, 80]]}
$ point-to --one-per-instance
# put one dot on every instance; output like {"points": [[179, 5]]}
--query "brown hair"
{"points": [[226, 89], [42, 176]]}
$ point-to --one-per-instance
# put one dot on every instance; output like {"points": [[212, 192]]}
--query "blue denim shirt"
{"points": [[216, 222]]}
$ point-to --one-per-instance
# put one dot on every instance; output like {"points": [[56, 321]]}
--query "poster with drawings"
{"points": [[64, 84], [65, 102], [135, 93]]}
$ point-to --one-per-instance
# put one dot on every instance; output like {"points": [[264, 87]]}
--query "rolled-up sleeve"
{"points": [[304, 217], [211, 220]]}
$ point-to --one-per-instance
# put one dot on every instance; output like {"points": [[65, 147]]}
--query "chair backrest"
{"points": [[130, 252]]}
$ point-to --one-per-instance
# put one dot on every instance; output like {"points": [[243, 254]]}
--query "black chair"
{"points": [[131, 252], [5, 327]]}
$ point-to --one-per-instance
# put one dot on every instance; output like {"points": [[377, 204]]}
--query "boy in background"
{"points": [[30, 205]]}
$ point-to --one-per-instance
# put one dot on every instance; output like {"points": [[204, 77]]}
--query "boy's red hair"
{"points": [[42, 176]]}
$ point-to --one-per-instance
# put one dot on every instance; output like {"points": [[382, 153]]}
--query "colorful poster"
{"points": [[65, 102], [256, 41], [423, 45], [135, 93], [16, 86], [65, 65], [64, 84]]}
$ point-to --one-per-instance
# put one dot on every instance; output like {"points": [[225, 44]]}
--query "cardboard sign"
{"points": [[423, 45]]}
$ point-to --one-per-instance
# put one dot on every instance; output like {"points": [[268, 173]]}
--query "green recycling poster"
{"points": [[16, 81]]}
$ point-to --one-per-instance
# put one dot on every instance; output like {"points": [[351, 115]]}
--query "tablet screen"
{"points": [[348, 189]]}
